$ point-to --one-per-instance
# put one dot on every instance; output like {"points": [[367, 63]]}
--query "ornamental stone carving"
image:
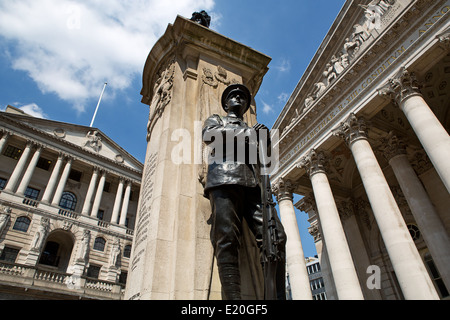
{"points": [[377, 14], [283, 189], [162, 94], [94, 140], [5, 216], [208, 78], [40, 235], [314, 162], [345, 208], [392, 146], [401, 86], [420, 162], [83, 252], [351, 129]]}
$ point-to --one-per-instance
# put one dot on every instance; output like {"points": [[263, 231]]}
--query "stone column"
{"points": [[3, 141], [126, 201], [62, 182], [341, 262], [295, 258], [409, 268], [117, 201], [18, 170], [98, 195], [51, 184], [404, 90], [29, 172], [90, 192], [427, 218], [347, 213]]}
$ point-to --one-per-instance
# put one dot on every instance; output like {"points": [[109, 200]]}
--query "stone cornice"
{"points": [[183, 33]]}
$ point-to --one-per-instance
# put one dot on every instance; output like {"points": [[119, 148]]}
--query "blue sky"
{"points": [[55, 56]]}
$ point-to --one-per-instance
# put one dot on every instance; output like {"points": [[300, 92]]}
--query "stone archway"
{"points": [[57, 250]]}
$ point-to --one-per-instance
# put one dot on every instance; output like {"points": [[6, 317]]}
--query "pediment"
{"points": [[90, 139]]}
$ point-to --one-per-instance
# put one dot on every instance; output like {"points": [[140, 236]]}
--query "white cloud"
{"points": [[283, 66], [266, 108], [71, 48], [283, 97], [33, 110]]}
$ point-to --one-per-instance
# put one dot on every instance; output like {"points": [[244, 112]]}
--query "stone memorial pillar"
{"points": [[184, 77]]}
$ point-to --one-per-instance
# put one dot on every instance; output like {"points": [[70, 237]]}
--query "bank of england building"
{"points": [[68, 199]]}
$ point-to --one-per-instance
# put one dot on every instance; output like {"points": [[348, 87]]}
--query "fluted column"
{"points": [[90, 192], [117, 202], [29, 171], [427, 218], [98, 195], [126, 202], [62, 182], [51, 185], [3, 141], [295, 258], [18, 170], [341, 262], [404, 90], [409, 268]]}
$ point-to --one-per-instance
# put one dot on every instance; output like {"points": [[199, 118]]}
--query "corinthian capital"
{"points": [[352, 129], [313, 162], [392, 146], [283, 189], [403, 85]]}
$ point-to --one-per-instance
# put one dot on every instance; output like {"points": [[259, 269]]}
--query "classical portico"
{"points": [[366, 144], [67, 209]]}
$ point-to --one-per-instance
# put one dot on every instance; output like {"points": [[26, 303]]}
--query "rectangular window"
{"points": [[13, 152], [100, 214], [44, 164], [93, 271], [2, 183], [75, 175], [9, 254], [32, 193]]}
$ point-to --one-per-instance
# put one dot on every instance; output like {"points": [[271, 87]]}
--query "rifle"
{"points": [[270, 253]]}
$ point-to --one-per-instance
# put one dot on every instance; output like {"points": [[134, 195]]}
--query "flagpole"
{"points": [[96, 109]]}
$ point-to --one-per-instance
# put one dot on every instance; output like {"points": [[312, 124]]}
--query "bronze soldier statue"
{"points": [[236, 189]]}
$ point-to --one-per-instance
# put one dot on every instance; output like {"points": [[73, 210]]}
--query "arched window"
{"points": [[22, 224], [68, 201], [127, 251], [99, 244]]}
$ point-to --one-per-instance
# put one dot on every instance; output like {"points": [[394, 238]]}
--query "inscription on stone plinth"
{"points": [[145, 209]]}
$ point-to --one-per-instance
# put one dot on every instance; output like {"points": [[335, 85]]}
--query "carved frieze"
{"points": [[376, 16], [162, 94]]}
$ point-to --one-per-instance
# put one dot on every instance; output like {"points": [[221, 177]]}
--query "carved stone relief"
{"points": [[94, 140], [377, 15], [162, 94]]}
